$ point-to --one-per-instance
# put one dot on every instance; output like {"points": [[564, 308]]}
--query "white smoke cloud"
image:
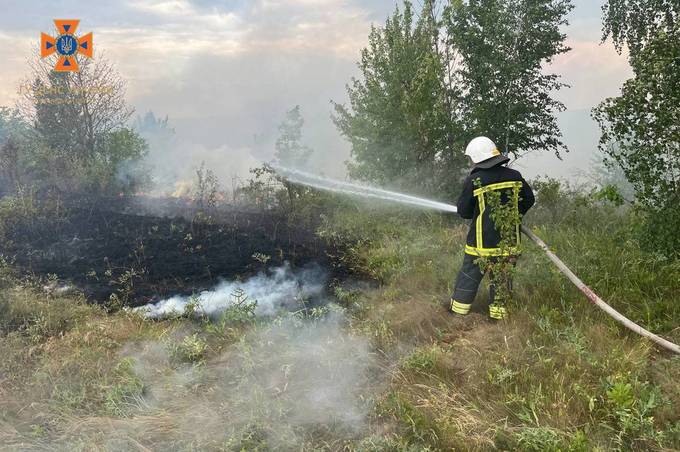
{"points": [[286, 384], [289, 382], [274, 290], [277, 388], [177, 165]]}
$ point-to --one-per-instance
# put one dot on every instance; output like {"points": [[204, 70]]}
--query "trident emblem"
{"points": [[66, 45]]}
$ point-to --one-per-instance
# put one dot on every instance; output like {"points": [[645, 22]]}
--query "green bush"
{"points": [[658, 229], [191, 348], [631, 406], [422, 358]]}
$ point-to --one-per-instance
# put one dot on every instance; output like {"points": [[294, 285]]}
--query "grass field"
{"points": [[385, 367]]}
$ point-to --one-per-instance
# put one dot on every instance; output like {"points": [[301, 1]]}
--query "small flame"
{"points": [[182, 189]]}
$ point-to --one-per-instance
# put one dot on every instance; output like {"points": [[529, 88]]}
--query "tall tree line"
{"points": [[70, 134], [641, 127], [433, 78]]}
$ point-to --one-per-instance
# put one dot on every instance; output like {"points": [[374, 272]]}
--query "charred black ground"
{"points": [[141, 249]]}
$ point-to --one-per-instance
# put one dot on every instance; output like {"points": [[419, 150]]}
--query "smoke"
{"points": [[283, 384], [175, 166], [172, 159], [287, 383], [274, 290]]}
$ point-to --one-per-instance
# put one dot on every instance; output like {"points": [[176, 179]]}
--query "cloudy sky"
{"points": [[225, 71]]}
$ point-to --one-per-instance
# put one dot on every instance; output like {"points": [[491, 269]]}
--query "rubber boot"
{"points": [[459, 308], [498, 311]]}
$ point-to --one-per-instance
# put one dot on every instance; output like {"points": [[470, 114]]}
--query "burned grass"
{"points": [[116, 252]]}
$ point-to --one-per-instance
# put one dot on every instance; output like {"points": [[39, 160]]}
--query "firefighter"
{"points": [[489, 174]]}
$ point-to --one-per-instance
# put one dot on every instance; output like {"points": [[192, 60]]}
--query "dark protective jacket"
{"points": [[483, 239]]}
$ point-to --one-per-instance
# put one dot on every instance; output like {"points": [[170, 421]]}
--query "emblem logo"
{"points": [[66, 45]]}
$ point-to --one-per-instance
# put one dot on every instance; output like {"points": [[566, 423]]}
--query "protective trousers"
{"points": [[467, 283]]}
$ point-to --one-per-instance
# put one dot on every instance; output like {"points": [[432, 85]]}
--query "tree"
{"points": [[151, 127], [431, 83], [162, 161], [290, 151], [641, 127], [503, 46], [400, 120], [636, 22], [13, 131], [81, 122], [115, 165]]}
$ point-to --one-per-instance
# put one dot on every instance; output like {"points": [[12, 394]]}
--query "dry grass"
{"points": [[556, 376], [115, 382]]}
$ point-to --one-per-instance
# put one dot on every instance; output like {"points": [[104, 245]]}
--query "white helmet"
{"points": [[482, 149]]}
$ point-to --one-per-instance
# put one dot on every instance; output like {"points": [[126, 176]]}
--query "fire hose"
{"points": [[596, 300], [349, 188]]}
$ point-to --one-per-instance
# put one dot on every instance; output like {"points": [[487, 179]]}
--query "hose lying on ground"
{"points": [[336, 186], [592, 296]]}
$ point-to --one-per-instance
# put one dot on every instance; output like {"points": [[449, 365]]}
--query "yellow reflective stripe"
{"points": [[497, 186], [478, 227], [497, 312], [496, 152], [515, 194], [490, 251], [459, 308], [479, 249]]}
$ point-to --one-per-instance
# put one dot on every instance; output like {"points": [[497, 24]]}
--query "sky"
{"points": [[226, 71]]}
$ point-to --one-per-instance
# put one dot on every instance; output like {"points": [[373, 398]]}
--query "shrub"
{"points": [[422, 358], [191, 349], [630, 416]]}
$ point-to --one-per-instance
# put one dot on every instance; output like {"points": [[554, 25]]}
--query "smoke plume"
{"points": [[274, 290], [289, 382], [284, 384]]}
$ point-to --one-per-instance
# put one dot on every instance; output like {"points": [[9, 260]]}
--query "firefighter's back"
{"points": [[484, 238]]}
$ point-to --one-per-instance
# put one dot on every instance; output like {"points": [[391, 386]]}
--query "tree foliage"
{"points": [[504, 45], [290, 150], [152, 128], [79, 140], [432, 81], [12, 161], [634, 22], [399, 123], [641, 127]]}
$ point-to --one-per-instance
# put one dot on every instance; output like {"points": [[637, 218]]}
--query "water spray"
{"points": [[348, 188]]}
